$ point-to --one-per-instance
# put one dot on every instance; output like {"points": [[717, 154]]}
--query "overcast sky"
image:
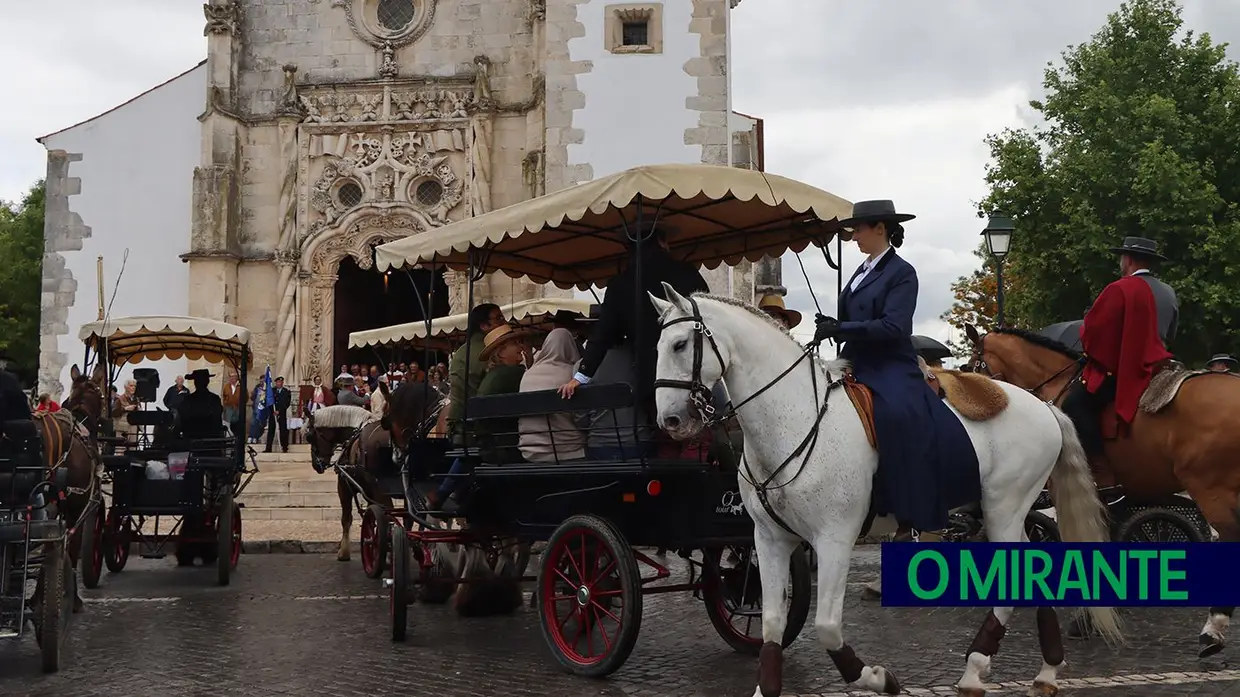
{"points": [[873, 99]]}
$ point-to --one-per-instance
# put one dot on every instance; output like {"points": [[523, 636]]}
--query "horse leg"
{"points": [[833, 561], [1217, 508], [73, 508], [345, 493], [774, 551], [1050, 641]]}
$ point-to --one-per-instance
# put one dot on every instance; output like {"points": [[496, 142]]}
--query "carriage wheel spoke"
{"points": [[599, 608], [602, 631], [567, 616], [565, 578], [606, 572]]}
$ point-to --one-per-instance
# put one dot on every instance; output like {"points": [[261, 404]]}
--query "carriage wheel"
{"points": [[1040, 527], [91, 556], [398, 592], [1158, 524], [116, 534], [733, 596], [227, 538], [57, 601], [374, 541], [590, 595]]}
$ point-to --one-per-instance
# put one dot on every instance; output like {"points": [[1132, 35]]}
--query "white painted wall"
{"points": [[739, 123], [635, 112], [137, 171]]}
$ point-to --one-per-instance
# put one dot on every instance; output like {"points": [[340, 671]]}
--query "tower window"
{"points": [[635, 34], [634, 28]]}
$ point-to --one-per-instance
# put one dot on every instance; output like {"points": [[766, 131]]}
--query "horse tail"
{"points": [[1080, 513]]}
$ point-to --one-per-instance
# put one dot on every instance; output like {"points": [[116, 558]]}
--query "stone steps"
{"points": [[287, 488]]}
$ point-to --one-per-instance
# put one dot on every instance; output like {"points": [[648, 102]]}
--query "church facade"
{"points": [[253, 188]]}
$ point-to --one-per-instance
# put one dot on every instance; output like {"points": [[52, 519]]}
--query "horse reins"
{"points": [[700, 398], [979, 361]]}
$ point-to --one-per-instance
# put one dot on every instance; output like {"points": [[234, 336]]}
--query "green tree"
{"points": [[1141, 135], [21, 263]]}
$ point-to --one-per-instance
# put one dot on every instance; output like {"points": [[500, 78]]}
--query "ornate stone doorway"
{"points": [[367, 299]]}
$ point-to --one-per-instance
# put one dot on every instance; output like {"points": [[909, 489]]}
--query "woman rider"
{"points": [[927, 465]]}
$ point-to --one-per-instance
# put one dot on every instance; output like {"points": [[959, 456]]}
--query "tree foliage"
{"points": [[21, 262], [1141, 138]]}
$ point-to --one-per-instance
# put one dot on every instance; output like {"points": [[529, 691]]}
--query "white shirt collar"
{"points": [[1140, 271], [872, 263]]}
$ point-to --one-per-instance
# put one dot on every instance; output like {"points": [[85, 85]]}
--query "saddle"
{"points": [[1165, 385]]}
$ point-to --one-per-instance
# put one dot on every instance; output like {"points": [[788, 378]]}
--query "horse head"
{"points": [[320, 443], [86, 396], [690, 362], [406, 414], [1023, 358]]}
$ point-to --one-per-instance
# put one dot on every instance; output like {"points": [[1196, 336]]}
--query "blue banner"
{"points": [[1064, 574], [268, 395]]}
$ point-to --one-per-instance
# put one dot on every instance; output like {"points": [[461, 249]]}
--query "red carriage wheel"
{"points": [[227, 537], [590, 596], [732, 589], [398, 591], [91, 552], [374, 540], [117, 531], [235, 555]]}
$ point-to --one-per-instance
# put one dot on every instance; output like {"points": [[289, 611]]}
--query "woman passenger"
{"points": [[552, 437]]}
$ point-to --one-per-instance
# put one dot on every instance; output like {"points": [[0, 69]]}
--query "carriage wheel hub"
{"points": [[583, 596]]}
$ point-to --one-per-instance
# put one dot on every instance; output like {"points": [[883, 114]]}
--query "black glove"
{"points": [[826, 328]]}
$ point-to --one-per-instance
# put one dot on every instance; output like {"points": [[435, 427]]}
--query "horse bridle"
{"points": [[700, 398], [978, 364]]}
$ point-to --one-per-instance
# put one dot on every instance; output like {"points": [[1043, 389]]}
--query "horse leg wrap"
{"points": [[847, 663], [1050, 639], [771, 669], [988, 637]]}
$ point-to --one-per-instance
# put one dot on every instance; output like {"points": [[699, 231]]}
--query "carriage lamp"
{"points": [[998, 234]]}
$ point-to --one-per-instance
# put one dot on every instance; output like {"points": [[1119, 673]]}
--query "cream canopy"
{"points": [[575, 237], [448, 331], [150, 338]]}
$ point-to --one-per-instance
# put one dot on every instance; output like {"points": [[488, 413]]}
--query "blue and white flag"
{"points": [[268, 392]]}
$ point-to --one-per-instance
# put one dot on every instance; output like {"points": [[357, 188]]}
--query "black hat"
{"points": [[1139, 247], [202, 373], [1223, 358], [875, 211], [570, 317]]}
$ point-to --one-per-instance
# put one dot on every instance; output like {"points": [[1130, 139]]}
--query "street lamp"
{"points": [[998, 234]]}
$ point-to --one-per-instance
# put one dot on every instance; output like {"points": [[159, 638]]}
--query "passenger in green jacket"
{"points": [[482, 319]]}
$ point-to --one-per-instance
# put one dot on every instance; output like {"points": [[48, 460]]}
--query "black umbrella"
{"points": [[1066, 333], [930, 349]]}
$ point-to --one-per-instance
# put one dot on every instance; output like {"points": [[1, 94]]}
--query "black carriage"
{"points": [[33, 545], [439, 335], [168, 488], [595, 515]]}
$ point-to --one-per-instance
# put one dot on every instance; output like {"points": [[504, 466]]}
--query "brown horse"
{"points": [[65, 446], [1192, 444], [362, 436]]}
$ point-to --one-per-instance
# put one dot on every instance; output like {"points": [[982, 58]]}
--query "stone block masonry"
{"points": [[63, 231]]}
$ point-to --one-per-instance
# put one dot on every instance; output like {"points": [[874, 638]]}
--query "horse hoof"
{"points": [[870, 594], [1042, 689], [1209, 646], [342, 557], [891, 686], [971, 692]]}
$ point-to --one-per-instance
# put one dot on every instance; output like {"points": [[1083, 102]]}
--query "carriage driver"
{"points": [[1123, 337], [201, 412]]}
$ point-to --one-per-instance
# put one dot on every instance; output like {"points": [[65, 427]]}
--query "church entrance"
{"points": [[367, 299]]}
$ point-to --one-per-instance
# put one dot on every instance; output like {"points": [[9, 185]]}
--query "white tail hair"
{"points": [[1080, 513]]}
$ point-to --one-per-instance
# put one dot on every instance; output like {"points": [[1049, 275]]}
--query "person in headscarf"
{"points": [[552, 437], [379, 398]]}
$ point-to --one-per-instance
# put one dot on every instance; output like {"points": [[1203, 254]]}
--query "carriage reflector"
{"points": [[654, 487], [628, 497]]}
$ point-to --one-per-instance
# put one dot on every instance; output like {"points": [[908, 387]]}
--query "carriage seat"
{"points": [[21, 461], [513, 406]]}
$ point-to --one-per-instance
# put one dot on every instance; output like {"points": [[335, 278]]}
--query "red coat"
{"points": [[1120, 337]]}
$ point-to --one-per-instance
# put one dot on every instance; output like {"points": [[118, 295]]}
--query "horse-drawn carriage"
{"points": [[595, 514], [159, 469], [368, 478], [34, 546]]}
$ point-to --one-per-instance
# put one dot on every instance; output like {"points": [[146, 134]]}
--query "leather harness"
{"points": [[700, 400]]}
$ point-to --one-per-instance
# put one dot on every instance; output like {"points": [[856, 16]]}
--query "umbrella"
{"points": [[930, 349], [1066, 333]]}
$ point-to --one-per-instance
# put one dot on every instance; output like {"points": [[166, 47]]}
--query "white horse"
{"points": [[823, 494]]}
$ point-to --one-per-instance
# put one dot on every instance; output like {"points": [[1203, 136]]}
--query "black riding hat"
{"points": [[1139, 247], [875, 211], [1223, 358]]}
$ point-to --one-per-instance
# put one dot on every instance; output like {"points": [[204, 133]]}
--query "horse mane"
{"points": [[1039, 340], [341, 416], [834, 366]]}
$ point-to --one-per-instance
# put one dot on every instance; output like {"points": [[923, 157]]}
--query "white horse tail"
{"points": [[1079, 511]]}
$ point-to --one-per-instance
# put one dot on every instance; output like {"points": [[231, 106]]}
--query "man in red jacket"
{"points": [[1122, 351]]}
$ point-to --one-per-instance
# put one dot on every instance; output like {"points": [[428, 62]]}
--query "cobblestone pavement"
{"points": [[306, 624]]}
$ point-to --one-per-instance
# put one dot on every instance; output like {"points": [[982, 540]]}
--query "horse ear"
{"points": [[675, 298], [661, 306], [971, 332], [100, 373], [74, 373]]}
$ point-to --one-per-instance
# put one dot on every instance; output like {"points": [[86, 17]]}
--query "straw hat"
{"points": [[498, 336], [774, 305]]}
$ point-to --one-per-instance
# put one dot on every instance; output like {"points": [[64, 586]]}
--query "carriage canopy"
{"points": [[718, 214], [448, 332], [151, 338]]}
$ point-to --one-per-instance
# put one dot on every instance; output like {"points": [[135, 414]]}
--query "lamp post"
{"points": [[998, 234]]}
